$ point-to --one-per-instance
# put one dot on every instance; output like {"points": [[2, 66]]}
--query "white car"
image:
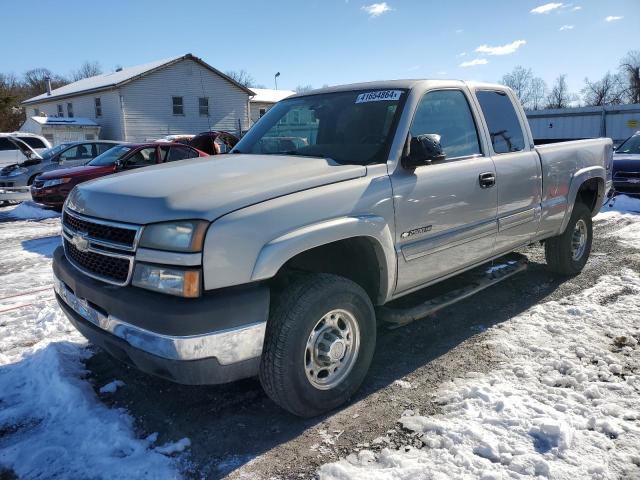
{"points": [[10, 153]]}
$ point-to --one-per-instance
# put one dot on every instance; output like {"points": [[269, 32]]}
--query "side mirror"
{"points": [[423, 150], [119, 164]]}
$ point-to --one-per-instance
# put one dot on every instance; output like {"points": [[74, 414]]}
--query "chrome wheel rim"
{"points": [[579, 240], [332, 349]]}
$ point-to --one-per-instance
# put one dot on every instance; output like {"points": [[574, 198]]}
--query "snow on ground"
{"points": [[31, 211], [52, 424], [564, 404]]}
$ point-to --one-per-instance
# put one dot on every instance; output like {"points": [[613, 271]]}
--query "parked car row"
{"points": [[53, 172]]}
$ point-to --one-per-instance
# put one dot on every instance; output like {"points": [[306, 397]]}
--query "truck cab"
{"points": [[276, 258]]}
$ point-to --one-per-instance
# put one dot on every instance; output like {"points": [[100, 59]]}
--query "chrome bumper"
{"points": [[227, 346]]}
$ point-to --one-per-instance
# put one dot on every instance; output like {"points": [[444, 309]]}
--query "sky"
{"points": [[318, 42]]}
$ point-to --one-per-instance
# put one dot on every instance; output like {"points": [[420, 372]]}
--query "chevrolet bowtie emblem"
{"points": [[80, 242]]}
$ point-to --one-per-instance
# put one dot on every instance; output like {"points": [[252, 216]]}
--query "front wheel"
{"points": [[568, 253], [319, 344]]}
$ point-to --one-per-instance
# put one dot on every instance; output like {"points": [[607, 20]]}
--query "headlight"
{"points": [[55, 181], [171, 280], [183, 236], [17, 171]]}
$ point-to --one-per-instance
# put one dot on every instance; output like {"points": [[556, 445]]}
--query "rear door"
{"points": [[518, 170], [445, 214]]}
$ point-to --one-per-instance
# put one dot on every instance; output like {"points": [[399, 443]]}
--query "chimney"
{"points": [[48, 80]]}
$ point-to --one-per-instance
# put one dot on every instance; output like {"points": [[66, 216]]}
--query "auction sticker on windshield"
{"points": [[380, 95]]}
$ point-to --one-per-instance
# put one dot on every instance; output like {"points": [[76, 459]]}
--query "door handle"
{"points": [[487, 179]]}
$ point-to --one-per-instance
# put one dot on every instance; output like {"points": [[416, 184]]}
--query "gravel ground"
{"points": [[236, 431]]}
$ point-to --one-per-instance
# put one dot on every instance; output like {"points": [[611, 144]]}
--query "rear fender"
{"points": [[580, 177]]}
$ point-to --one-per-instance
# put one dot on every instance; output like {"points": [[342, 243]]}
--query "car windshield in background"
{"points": [[109, 157], [353, 127], [632, 145]]}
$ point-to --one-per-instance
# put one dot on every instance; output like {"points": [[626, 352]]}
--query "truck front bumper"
{"points": [[217, 338]]}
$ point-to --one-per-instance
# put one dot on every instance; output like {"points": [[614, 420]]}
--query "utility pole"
{"points": [[275, 79]]}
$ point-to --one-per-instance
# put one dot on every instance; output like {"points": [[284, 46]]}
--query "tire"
{"points": [[303, 310], [562, 257], [30, 181]]}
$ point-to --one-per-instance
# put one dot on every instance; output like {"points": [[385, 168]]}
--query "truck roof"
{"points": [[404, 84]]}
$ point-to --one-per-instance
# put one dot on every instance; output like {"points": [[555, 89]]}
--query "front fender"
{"points": [[281, 249]]}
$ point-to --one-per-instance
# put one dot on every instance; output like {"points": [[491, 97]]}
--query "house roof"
{"points": [[114, 79], [75, 121], [267, 95]]}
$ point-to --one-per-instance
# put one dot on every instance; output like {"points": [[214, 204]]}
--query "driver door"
{"points": [[445, 214]]}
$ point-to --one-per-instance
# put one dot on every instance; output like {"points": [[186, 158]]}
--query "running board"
{"points": [[478, 279]]}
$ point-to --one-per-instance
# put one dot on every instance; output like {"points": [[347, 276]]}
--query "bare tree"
{"points": [[609, 90], [87, 69], [242, 77], [529, 89], [36, 81], [630, 68], [559, 96], [538, 93], [304, 88]]}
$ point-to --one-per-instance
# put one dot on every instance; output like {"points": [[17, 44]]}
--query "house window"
{"points": [[263, 111], [35, 112], [60, 111], [203, 106], [178, 106], [70, 110], [98, 104]]}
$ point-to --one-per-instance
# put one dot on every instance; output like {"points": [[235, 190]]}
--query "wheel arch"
{"points": [[588, 187], [359, 248]]}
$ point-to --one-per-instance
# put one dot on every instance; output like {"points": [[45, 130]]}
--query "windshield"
{"points": [[349, 127], [109, 157], [50, 152], [632, 145]]}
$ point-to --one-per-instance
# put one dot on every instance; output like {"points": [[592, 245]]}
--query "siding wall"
{"points": [[148, 112], [83, 106], [255, 110]]}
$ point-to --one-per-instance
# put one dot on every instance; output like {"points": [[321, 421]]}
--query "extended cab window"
{"points": [[354, 127], [447, 113], [502, 120]]}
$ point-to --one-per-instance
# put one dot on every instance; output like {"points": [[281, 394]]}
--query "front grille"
{"points": [[98, 231], [627, 175], [109, 268], [7, 184]]}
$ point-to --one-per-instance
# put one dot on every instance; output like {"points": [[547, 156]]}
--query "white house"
{"points": [[59, 130], [264, 99], [173, 96]]}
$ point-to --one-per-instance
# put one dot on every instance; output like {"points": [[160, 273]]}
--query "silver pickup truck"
{"points": [[275, 258]]}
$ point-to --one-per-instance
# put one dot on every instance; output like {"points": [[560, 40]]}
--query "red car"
{"points": [[51, 188]]}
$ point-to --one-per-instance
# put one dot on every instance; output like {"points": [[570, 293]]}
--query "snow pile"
{"points": [[624, 211], [112, 387], [52, 424], [31, 211], [175, 447], [565, 402]]}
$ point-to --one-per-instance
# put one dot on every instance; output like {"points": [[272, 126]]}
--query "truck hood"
{"points": [[204, 188]]}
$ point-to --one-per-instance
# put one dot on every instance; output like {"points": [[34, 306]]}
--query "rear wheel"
{"points": [[319, 344], [568, 253]]}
